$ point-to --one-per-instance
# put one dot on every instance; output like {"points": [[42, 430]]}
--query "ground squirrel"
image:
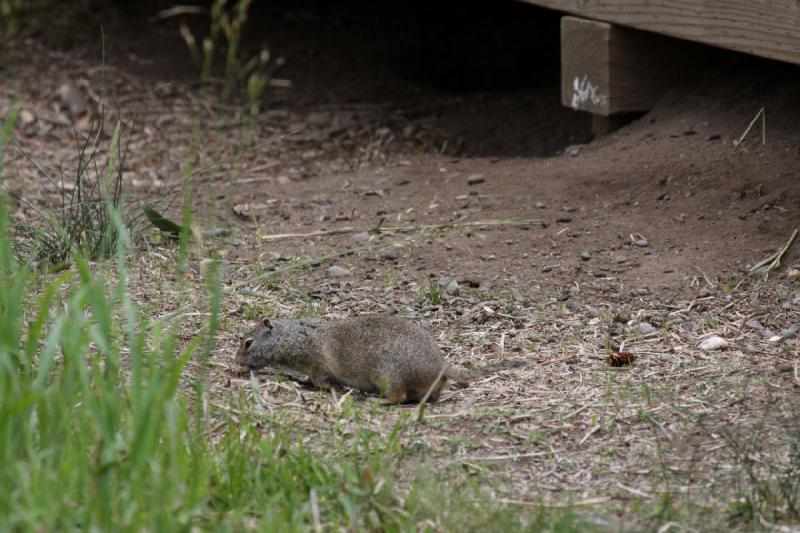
{"points": [[376, 353]]}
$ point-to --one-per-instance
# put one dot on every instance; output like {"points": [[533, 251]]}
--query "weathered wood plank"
{"points": [[766, 28], [608, 69]]}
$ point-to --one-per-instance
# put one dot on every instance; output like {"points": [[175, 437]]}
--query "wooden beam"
{"points": [[610, 70], [766, 28]]}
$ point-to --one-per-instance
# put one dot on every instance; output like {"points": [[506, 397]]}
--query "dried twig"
{"points": [[404, 228], [761, 113]]}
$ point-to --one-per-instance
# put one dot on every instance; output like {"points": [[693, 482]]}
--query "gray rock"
{"points": [[362, 236], [573, 150], [645, 328], [73, 100], [790, 332], [540, 205], [389, 253], [444, 281], [713, 343], [585, 256], [452, 288], [337, 271], [754, 324], [622, 316], [475, 179]]}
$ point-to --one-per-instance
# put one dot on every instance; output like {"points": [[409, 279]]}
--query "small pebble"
{"points": [[585, 256], [389, 253], [713, 343], [789, 333], [645, 328], [754, 324], [564, 219], [793, 274], [540, 205], [452, 288], [475, 179], [337, 271], [622, 317], [573, 150], [362, 236]]}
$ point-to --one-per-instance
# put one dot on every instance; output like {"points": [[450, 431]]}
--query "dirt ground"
{"points": [[421, 186]]}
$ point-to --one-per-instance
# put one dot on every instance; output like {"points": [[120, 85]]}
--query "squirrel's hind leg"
{"points": [[321, 380], [395, 395]]}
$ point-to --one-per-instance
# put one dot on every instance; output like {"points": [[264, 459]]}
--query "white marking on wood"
{"points": [[583, 91]]}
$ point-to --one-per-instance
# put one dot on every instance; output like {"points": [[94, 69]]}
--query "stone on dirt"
{"points": [[714, 343], [337, 271]]}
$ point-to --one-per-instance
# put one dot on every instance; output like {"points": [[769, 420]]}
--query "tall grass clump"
{"points": [[767, 492], [106, 424], [227, 27], [243, 74], [83, 222]]}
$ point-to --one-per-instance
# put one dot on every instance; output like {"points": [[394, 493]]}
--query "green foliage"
{"points": [[101, 416], [84, 224], [227, 27], [101, 429], [766, 491], [432, 293]]}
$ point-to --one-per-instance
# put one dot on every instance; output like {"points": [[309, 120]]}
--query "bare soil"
{"points": [[411, 181]]}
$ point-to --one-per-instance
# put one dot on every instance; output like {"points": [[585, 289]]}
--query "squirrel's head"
{"points": [[258, 347]]}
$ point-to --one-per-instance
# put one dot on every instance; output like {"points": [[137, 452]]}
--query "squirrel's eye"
{"points": [[248, 343]]}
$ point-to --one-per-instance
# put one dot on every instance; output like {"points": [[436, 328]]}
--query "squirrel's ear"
{"points": [[266, 323]]}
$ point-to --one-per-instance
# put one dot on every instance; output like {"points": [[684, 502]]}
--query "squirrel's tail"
{"points": [[461, 377]]}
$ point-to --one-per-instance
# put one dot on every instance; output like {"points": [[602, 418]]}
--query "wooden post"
{"points": [[609, 70]]}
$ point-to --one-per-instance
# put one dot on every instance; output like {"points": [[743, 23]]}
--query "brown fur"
{"points": [[376, 353]]}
